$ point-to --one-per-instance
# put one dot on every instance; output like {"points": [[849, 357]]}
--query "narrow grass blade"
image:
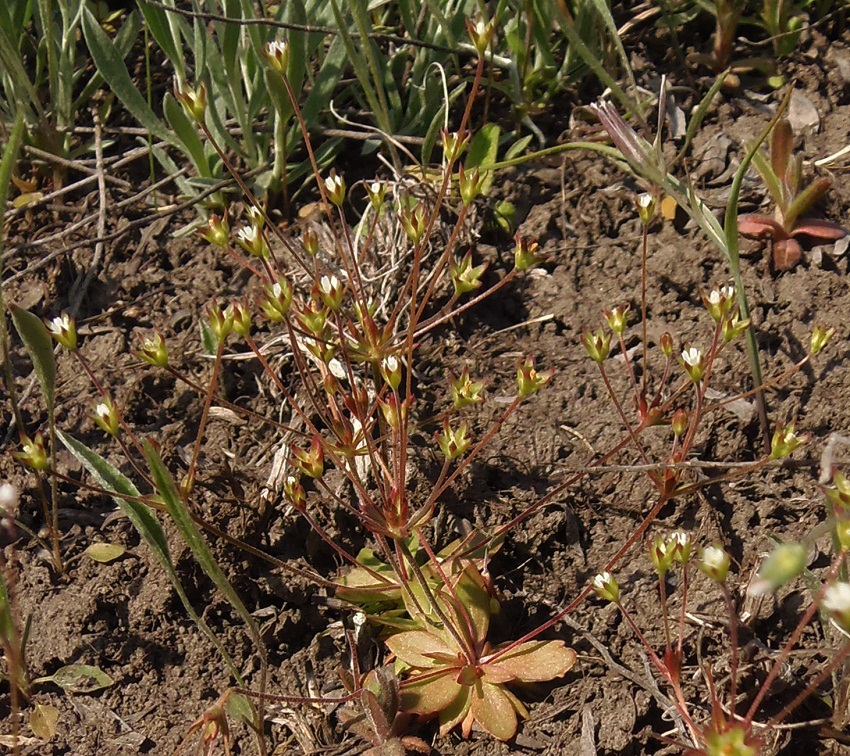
{"points": [[111, 66], [176, 508], [39, 346], [126, 496]]}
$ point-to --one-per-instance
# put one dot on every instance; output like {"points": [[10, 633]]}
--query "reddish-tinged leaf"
{"points": [[493, 710], [805, 200], [781, 146], [418, 647], [786, 254], [759, 226], [537, 661], [432, 695], [819, 229], [456, 712]]}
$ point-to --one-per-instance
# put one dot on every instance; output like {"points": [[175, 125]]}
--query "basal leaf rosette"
{"points": [[441, 681]]}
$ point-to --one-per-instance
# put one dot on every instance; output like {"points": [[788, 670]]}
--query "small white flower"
{"points": [[644, 200], [713, 557], [247, 235], [59, 324], [391, 363], [277, 48], [836, 599], [601, 580], [333, 183], [329, 284], [102, 410], [376, 187], [8, 500], [692, 356]]}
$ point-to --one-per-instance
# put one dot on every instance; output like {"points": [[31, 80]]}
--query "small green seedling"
{"points": [[782, 173]]}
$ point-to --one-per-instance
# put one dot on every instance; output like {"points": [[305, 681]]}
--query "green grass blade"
{"points": [[39, 346], [111, 66], [145, 522], [193, 537], [166, 35], [124, 41], [187, 134]]}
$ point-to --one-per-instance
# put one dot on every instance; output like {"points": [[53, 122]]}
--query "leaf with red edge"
{"points": [[536, 661], [759, 226], [819, 229], [781, 147], [786, 254], [493, 710]]}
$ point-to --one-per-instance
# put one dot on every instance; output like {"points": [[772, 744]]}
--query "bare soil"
{"points": [[125, 618]]}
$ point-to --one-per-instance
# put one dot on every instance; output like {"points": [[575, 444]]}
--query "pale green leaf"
{"points": [[105, 552], [78, 678], [43, 721], [39, 346]]}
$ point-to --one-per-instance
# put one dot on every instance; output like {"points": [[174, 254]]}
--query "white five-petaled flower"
{"points": [[329, 284], [692, 356], [606, 586], [836, 598], [8, 500], [390, 363], [333, 183], [277, 48], [714, 562], [644, 200], [60, 324], [247, 235]]}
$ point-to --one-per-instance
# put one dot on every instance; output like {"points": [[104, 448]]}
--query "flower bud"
{"points": [[598, 345], [276, 300], [732, 327], [646, 208], [666, 343], [466, 277], [335, 187], [377, 191], [454, 144], [526, 253], [310, 461], [310, 241], [216, 231], [839, 494], [465, 391], [64, 329], [194, 101], [606, 587], [153, 350], [106, 417], [820, 338], [680, 545], [719, 302], [241, 316], [331, 291], [394, 410], [252, 240], [692, 361], [617, 318], [480, 33], [277, 54], [836, 600], [294, 492], [529, 381], [471, 184], [680, 422], [786, 562], [661, 554], [453, 443], [33, 454], [391, 371], [714, 562], [414, 222], [220, 321], [842, 533], [784, 441]]}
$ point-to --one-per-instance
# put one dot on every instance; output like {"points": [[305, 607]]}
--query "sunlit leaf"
{"points": [[43, 721], [78, 678], [105, 552]]}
